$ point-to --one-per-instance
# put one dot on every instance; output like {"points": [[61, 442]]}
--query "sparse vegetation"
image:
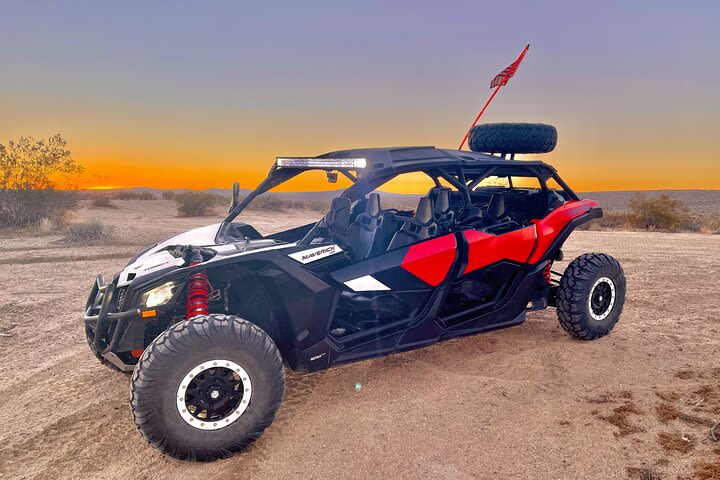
{"points": [[196, 204], [674, 442], [102, 201], [620, 418], [276, 203], [30, 172], [658, 213], [133, 195], [168, 195], [20, 208], [94, 229]]}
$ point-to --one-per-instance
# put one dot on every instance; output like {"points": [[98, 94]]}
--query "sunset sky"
{"points": [[199, 94]]}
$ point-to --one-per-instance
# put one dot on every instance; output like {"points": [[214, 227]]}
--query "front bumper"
{"points": [[112, 330]]}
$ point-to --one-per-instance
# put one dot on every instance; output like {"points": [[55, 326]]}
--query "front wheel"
{"points": [[206, 388], [591, 295]]}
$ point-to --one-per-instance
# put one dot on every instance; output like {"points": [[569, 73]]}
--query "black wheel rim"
{"points": [[214, 394], [602, 298]]}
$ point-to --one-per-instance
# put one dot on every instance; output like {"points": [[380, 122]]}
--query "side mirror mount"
{"points": [[332, 177], [235, 200]]}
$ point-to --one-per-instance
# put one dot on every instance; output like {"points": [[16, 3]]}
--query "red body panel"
{"points": [[485, 248], [549, 227], [431, 260]]}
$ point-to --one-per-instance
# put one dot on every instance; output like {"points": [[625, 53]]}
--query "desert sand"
{"points": [[525, 402]]}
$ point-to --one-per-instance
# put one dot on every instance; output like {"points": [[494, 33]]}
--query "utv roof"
{"points": [[402, 159]]}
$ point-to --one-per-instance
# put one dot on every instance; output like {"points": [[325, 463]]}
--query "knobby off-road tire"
{"points": [[513, 138], [190, 363], [591, 296]]}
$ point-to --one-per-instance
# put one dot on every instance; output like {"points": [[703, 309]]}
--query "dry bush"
{"points": [[659, 213], [619, 418], [88, 231], [666, 412], [168, 195], [196, 204], [611, 220], [708, 470], [709, 224], [275, 203], [673, 442], [29, 207], [133, 195], [102, 201]]}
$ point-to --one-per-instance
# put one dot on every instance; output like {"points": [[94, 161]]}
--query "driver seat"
{"points": [[367, 229], [334, 225]]}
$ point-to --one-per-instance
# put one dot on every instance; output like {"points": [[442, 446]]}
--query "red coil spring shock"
{"points": [[546, 271], [198, 293]]}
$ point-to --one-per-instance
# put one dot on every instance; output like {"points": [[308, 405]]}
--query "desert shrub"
{"points": [[30, 172], [709, 224], [28, 207], [168, 195], [611, 220], [93, 229], [659, 213], [195, 204], [102, 201], [276, 203], [133, 195]]}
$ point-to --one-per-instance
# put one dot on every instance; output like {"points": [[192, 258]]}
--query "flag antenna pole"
{"points": [[497, 89], [497, 83]]}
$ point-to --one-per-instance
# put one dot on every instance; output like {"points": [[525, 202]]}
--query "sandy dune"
{"points": [[526, 402]]}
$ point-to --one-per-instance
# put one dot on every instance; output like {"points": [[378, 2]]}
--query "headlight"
{"points": [[158, 295]]}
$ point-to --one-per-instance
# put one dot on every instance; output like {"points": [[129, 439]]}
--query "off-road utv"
{"points": [[208, 320]]}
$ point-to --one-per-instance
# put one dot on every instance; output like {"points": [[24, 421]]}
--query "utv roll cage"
{"points": [[462, 169]]}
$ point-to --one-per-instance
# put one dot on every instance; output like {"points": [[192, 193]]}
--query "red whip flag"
{"points": [[503, 77], [500, 80]]}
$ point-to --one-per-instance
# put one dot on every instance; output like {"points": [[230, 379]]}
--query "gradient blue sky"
{"points": [[145, 93]]}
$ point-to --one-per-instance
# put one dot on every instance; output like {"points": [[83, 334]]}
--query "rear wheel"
{"points": [[591, 296], [206, 388]]}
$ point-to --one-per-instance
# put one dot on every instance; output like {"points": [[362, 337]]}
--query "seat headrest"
{"points": [[338, 218], [424, 213], [442, 201], [372, 207], [433, 192], [496, 207]]}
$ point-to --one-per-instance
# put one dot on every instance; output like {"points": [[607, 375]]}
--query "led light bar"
{"points": [[311, 162]]}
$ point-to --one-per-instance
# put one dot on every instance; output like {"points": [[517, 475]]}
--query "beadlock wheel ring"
{"points": [[601, 299], [191, 412]]}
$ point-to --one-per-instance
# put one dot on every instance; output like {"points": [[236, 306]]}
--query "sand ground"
{"points": [[525, 402]]}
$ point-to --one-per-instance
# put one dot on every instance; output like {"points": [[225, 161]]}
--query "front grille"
{"points": [[122, 292]]}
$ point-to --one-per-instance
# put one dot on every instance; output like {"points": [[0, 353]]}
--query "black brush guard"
{"points": [[107, 324]]}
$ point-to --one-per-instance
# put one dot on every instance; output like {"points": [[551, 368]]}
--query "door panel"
{"points": [[485, 249]]}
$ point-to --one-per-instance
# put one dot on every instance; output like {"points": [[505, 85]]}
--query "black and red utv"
{"points": [[208, 320]]}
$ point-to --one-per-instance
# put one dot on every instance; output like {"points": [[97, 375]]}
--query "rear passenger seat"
{"points": [[416, 228]]}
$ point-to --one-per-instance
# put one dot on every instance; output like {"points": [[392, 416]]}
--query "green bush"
{"points": [[93, 229], [168, 195], [659, 213], [28, 207], [196, 204]]}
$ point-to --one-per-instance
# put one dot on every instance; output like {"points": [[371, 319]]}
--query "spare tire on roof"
{"points": [[513, 138]]}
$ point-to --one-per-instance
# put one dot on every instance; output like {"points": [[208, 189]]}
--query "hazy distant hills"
{"points": [[698, 201]]}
